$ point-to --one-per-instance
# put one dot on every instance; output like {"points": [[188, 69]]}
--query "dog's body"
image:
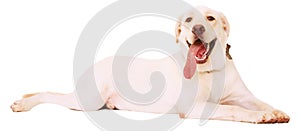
{"points": [[236, 103]]}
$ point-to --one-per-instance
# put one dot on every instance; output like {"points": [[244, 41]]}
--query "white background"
{"points": [[38, 40]]}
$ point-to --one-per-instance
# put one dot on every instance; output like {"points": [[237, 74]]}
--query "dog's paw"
{"points": [[281, 116], [25, 104], [110, 106], [182, 115], [275, 116], [20, 106], [266, 118]]}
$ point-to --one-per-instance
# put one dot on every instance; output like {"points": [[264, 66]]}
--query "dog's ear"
{"points": [[177, 31], [225, 23]]}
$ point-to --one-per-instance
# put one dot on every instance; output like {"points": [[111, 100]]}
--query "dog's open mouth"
{"points": [[198, 54]]}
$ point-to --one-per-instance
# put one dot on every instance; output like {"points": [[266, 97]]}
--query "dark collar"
{"points": [[227, 52]]}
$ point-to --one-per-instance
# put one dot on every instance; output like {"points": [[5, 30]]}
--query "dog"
{"points": [[194, 34]]}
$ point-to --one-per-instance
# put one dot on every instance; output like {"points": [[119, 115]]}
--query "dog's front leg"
{"points": [[237, 94], [214, 111], [247, 100]]}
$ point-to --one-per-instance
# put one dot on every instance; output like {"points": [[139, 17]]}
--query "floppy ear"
{"points": [[225, 23], [177, 31]]}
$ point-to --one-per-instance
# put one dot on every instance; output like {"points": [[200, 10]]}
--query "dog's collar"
{"points": [[211, 71], [227, 51]]}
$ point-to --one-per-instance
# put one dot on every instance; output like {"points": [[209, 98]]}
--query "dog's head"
{"points": [[200, 30]]}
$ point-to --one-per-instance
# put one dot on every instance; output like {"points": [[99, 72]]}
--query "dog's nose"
{"points": [[198, 30]]}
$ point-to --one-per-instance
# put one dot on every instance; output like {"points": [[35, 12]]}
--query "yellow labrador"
{"points": [[193, 33]]}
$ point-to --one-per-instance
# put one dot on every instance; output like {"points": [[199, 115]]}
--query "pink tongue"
{"points": [[190, 66]]}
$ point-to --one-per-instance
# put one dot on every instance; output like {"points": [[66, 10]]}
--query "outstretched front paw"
{"points": [[281, 116], [275, 116], [266, 118]]}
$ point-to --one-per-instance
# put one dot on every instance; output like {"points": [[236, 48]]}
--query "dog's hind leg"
{"points": [[86, 97], [91, 92], [70, 101]]}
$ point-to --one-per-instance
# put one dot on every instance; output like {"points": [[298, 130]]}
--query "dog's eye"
{"points": [[210, 18], [189, 19]]}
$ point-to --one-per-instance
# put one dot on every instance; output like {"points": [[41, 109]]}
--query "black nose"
{"points": [[198, 30]]}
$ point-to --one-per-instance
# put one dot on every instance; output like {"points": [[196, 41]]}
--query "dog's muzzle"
{"points": [[201, 50], [198, 53]]}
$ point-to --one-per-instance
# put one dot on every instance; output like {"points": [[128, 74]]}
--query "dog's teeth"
{"points": [[200, 59]]}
